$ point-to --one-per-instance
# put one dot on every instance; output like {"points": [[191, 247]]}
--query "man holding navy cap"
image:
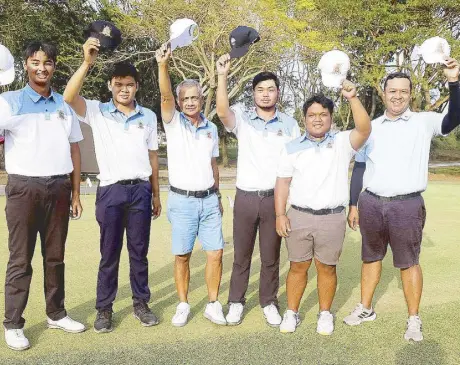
{"points": [[261, 136], [41, 150], [194, 205], [391, 208], [128, 196]]}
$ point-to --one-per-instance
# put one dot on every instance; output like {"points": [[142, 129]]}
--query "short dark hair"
{"points": [[397, 75], [48, 48], [320, 99], [264, 76], [123, 69]]}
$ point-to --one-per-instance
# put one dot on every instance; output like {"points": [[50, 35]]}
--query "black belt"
{"points": [[195, 194], [396, 197], [320, 211], [130, 182], [259, 193]]}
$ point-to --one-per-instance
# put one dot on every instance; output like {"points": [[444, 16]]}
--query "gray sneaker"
{"points": [[414, 329], [360, 315], [103, 322], [143, 313]]}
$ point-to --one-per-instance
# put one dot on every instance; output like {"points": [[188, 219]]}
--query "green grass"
{"points": [[253, 342]]}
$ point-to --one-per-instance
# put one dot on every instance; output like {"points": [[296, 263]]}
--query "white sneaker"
{"points": [[181, 317], [360, 315], [67, 324], [325, 324], [414, 329], [16, 340], [291, 321], [214, 313], [235, 312], [272, 316]]}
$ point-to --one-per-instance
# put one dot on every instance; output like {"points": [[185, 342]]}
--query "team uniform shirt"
{"points": [[38, 133], [190, 150], [121, 142], [319, 170], [397, 153], [259, 147]]}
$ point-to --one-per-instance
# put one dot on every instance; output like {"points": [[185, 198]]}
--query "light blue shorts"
{"points": [[191, 217]]}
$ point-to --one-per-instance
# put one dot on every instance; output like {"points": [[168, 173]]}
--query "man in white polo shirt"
{"points": [[194, 206], [313, 172], [391, 209], [128, 196], [261, 135], [41, 150]]}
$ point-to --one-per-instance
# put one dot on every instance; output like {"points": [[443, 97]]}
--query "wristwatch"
{"points": [[219, 195]]}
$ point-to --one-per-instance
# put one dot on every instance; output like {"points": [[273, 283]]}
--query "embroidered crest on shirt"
{"points": [[140, 126], [61, 114], [280, 133], [209, 135], [329, 144]]}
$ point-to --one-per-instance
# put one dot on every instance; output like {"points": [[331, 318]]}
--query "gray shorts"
{"points": [[319, 236], [398, 223]]}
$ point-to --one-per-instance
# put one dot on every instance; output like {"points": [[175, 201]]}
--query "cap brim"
{"points": [[7, 76], [238, 52], [431, 58]]}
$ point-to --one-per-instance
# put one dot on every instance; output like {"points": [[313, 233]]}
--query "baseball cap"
{"points": [[182, 33], [435, 50], [6, 66], [241, 38], [334, 66], [108, 34]]}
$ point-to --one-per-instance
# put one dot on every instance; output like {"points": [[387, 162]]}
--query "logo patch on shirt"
{"points": [[209, 135], [61, 114], [140, 126], [280, 133], [329, 145]]}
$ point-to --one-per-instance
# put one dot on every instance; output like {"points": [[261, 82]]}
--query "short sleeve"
{"points": [[5, 113], [344, 143], [75, 130], [295, 130], [152, 140], [92, 110], [285, 164], [239, 118], [215, 147], [174, 121], [433, 122]]}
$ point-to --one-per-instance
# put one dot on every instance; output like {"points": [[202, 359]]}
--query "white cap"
{"points": [[6, 66], [334, 66], [182, 33], [435, 50]]}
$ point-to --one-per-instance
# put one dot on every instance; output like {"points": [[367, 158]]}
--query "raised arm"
{"points": [[362, 130], [452, 118], [225, 114], [168, 107], [72, 90]]}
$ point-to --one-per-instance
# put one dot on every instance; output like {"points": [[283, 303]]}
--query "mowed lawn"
{"points": [[253, 342]]}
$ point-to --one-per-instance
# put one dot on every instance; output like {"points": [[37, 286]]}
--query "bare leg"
{"points": [[327, 284], [412, 280], [213, 273], [370, 277], [296, 283], [182, 275]]}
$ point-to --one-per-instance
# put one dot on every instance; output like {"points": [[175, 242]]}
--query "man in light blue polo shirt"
{"points": [[194, 205], [128, 195], [41, 150], [391, 208]]}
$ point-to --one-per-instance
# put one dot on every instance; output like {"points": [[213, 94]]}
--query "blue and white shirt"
{"points": [[319, 170], [397, 153], [38, 133], [190, 150], [122, 142], [259, 147]]}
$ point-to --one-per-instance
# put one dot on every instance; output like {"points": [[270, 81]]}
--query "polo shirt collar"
{"points": [[34, 96], [254, 116], [306, 137], [203, 123], [137, 109], [404, 116]]}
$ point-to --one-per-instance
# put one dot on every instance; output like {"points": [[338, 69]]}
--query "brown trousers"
{"points": [[35, 205], [250, 213]]}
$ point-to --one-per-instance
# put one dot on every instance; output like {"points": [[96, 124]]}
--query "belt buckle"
{"points": [[259, 193]]}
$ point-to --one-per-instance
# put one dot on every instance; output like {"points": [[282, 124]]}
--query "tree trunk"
{"points": [[373, 104], [223, 146]]}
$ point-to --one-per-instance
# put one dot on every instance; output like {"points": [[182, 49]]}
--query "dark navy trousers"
{"points": [[120, 207]]}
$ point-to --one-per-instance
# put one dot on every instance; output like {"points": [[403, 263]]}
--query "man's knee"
{"points": [[300, 267], [182, 260], [214, 256], [326, 269]]}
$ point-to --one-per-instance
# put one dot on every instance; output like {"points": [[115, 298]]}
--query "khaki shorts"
{"points": [[319, 236]]}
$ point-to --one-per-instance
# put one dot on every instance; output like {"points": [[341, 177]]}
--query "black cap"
{"points": [[241, 38], [108, 34]]}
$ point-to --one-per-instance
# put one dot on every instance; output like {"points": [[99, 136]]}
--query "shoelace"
{"points": [[358, 309], [143, 309], [104, 314], [272, 309], [18, 333], [414, 325]]}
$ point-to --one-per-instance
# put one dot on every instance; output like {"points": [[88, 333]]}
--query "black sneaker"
{"points": [[143, 313], [103, 322]]}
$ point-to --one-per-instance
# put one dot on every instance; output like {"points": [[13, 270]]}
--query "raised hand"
{"points": [[348, 89], [452, 69], [223, 64], [91, 50], [163, 53]]}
